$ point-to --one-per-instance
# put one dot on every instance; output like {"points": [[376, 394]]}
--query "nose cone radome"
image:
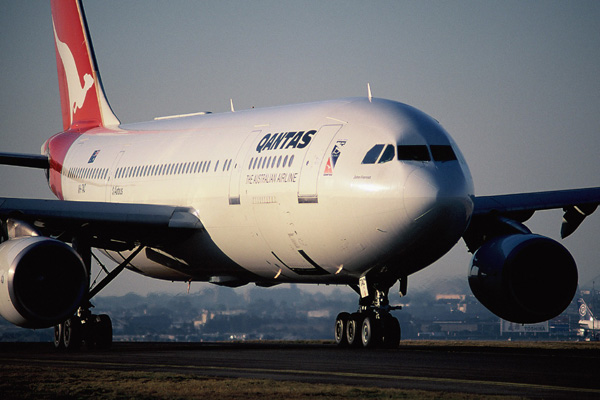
{"points": [[420, 194], [432, 194]]}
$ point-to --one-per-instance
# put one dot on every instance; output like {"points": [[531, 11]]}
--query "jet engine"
{"points": [[42, 281], [523, 278]]}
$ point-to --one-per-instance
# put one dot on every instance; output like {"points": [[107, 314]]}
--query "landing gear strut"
{"points": [[372, 325], [84, 327]]}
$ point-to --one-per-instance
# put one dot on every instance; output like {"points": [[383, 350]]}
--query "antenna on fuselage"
{"points": [[231, 104], [369, 95]]}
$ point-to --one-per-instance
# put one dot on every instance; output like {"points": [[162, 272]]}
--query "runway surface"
{"points": [[535, 371]]}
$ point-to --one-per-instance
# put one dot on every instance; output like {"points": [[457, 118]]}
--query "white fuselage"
{"points": [[286, 194]]}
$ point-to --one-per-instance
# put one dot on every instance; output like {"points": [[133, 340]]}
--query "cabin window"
{"points": [[443, 153], [413, 153], [373, 154]]}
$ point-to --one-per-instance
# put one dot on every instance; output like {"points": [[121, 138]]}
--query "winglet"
{"points": [[83, 102]]}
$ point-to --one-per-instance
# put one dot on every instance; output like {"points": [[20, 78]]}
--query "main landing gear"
{"points": [[84, 327], [372, 325]]}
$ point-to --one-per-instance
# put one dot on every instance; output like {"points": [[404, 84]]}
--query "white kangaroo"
{"points": [[77, 93]]}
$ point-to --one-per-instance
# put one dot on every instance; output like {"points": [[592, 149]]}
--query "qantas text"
{"points": [[285, 140]]}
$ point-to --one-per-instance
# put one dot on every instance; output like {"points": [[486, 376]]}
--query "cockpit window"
{"points": [[413, 153], [442, 153], [388, 154], [373, 154]]}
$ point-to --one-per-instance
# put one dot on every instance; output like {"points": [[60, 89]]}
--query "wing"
{"points": [[493, 215], [113, 226]]}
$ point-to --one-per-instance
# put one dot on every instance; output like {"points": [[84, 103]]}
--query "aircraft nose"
{"points": [[443, 193], [420, 194]]}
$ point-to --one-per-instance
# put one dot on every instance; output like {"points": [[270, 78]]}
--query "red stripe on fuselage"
{"points": [[56, 148]]}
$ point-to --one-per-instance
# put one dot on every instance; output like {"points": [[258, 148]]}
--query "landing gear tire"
{"points": [[72, 334], [94, 330], [370, 332], [353, 330], [341, 328], [372, 326], [367, 329], [102, 331], [59, 343], [391, 332]]}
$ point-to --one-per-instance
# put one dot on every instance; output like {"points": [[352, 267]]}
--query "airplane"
{"points": [[589, 326], [357, 191]]}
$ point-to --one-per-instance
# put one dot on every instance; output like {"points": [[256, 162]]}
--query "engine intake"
{"points": [[42, 281], [523, 278]]}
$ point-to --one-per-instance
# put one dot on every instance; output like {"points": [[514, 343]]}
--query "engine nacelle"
{"points": [[42, 281], [523, 278]]}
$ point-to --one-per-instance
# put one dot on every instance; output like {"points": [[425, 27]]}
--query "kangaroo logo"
{"points": [[76, 92]]}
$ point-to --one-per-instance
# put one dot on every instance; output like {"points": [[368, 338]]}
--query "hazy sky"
{"points": [[516, 83]]}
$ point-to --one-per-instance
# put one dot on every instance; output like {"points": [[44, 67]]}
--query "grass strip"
{"points": [[20, 382]]}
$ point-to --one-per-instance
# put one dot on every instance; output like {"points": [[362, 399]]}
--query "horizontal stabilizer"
{"points": [[25, 160]]}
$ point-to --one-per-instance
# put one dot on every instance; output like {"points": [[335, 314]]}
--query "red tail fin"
{"points": [[83, 101]]}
